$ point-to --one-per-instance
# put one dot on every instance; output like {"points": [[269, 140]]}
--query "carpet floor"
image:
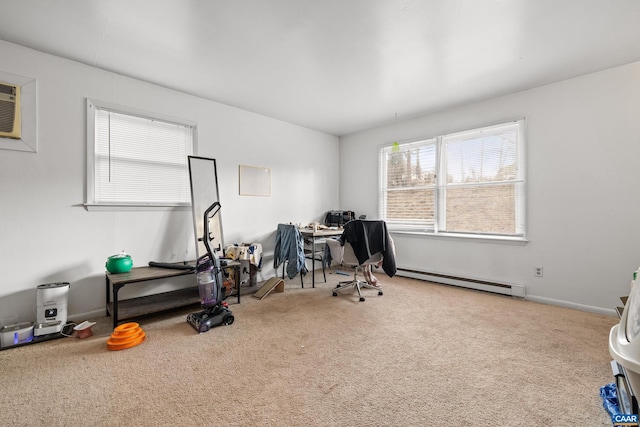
{"points": [[422, 354]]}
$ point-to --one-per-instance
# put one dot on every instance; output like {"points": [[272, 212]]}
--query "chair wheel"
{"points": [[361, 298], [380, 293], [335, 294]]}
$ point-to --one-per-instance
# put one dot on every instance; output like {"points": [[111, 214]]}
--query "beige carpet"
{"points": [[421, 355]]}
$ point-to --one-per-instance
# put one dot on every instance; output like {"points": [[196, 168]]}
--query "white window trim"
{"points": [[489, 238], [90, 203], [520, 206]]}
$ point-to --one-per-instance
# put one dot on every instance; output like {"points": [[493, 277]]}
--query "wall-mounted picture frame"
{"points": [[255, 181]]}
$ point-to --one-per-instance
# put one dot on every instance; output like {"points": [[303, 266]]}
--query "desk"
{"points": [[313, 235], [135, 307]]}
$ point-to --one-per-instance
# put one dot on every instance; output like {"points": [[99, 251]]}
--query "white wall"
{"points": [[46, 235], [583, 166]]}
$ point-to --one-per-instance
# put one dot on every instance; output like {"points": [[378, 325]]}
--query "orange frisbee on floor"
{"points": [[126, 335], [126, 328]]}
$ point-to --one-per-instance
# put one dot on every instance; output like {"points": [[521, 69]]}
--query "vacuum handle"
{"points": [[205, 238]]}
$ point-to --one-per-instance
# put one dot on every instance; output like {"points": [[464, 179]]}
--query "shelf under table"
{"points": [[140, 306]]}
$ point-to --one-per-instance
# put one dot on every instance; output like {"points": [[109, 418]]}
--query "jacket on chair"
{"points": [[290, 249], [368, 237]]}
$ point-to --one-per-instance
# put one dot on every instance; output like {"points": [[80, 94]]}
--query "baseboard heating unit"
{"points": [[464, 282]]}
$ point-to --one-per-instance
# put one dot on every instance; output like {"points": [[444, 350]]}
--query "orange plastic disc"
{"points": [[125, 340], [125, 327], [128, 345], [126, 335]]}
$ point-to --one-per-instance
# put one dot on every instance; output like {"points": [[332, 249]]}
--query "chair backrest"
{"points": [[368, 238], [349, 257]]}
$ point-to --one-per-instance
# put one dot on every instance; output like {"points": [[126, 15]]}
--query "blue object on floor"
{"points": [[342, 272], [609, 397]]}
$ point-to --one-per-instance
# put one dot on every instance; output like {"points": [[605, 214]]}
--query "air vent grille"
{"points": [[9, 111]]}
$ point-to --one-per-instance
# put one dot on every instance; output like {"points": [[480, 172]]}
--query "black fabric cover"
{"points": [[368, 237]]}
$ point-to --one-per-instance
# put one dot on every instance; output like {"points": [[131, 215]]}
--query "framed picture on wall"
{"points": [[255, 181]]}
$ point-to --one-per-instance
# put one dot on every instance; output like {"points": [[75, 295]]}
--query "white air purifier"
{"points": [[624, 340], [51, 308]]}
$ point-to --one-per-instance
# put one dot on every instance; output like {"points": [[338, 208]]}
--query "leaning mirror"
{"points": [[204, 193]]}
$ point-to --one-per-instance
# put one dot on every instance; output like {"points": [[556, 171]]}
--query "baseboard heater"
{"points": [[464, 282]]}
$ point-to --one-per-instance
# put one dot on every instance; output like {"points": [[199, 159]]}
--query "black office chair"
{"points": [[349, 258], [366, 243]]}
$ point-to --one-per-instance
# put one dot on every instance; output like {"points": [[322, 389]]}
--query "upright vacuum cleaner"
{"points": [[209, 274]]}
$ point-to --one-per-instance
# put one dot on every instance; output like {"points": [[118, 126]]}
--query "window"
{"points": [[469, 183], [136, 159]]}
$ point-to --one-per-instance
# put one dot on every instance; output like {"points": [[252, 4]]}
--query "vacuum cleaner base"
{"points": [[210, 317]]}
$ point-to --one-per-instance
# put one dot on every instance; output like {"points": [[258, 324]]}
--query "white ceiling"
{"points": [[338, 66]]}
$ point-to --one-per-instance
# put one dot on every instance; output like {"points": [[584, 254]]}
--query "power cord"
{"points": [[67, 325]]}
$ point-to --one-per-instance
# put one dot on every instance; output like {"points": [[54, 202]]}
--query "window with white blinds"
{"points": [[408, 185], [468, 183], [135, 159]]}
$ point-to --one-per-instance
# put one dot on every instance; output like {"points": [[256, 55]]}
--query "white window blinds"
{"points": [[483, 186], [140, 160], [408, 197]]}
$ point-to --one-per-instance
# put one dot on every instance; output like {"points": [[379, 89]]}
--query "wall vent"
{"points": [[10, 111], [464, 282]]}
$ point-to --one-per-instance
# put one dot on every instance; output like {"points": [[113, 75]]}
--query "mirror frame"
{"points": [[203, 178]]}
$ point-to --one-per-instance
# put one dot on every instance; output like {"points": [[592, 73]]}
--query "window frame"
{"points": [[439, 207], [90, 202]]}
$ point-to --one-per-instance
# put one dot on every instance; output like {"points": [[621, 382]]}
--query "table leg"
{"points": [[116, 289], [237, 279], [108, 296], [313, 262]]}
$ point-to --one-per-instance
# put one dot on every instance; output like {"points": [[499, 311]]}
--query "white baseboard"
{"points": [[573, 305], [500, 288], [81, 317], [465, 282]]}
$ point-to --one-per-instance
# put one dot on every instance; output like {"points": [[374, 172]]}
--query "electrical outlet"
{"points": [[538, 271]]}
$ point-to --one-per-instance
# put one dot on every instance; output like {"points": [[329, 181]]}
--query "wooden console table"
{"points": [[134, 307]]}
